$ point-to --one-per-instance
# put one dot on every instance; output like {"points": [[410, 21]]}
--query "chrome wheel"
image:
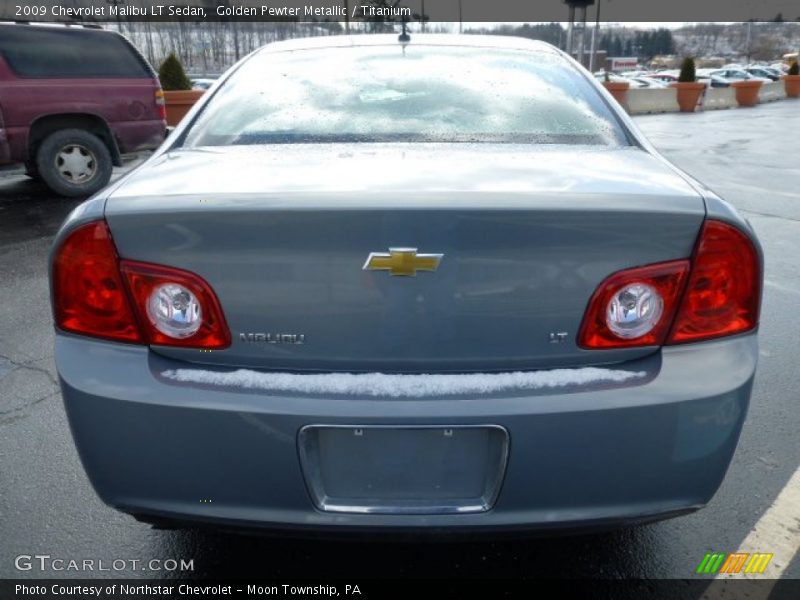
{"points": [[76, 163]]}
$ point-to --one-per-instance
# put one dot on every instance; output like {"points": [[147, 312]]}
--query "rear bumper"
{"points": [[578, 456]]}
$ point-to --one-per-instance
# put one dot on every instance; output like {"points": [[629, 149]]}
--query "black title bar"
{"points": [[374, 589], [397, 10]]}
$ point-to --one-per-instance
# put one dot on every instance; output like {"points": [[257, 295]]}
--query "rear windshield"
{"points": [[415, 94], [69, 53]]}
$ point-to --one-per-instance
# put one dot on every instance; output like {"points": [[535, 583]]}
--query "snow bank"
{"points": [[392, 385]]}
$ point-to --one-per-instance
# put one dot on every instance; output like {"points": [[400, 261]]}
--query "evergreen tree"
{"points": [[172, 75], [616, 46]]}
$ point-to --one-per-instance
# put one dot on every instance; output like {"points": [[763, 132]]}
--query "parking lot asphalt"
{"points": [[751, 157]]}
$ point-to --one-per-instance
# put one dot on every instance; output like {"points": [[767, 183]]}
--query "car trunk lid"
{"points": [[525, 236]]}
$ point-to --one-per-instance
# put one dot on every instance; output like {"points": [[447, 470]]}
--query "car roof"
{"points": [[417, 39]]}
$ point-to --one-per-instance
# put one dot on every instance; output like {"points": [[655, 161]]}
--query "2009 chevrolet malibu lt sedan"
{"points": [[373, 285]]}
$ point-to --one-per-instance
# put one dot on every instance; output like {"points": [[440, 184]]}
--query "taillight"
{"points": [[88, 294], [176, 308], [723, 295], [96, 294], [634, 307], [161, 105], [717, 293]]}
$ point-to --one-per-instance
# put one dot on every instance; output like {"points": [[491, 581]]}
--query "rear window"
{"points": [[396, 94], [69, 53]]}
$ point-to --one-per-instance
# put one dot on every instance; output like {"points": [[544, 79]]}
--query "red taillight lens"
{"points": [[175, 307], [659, 285], [96, 294], [723, 295], [88, 294], [161, 105]]}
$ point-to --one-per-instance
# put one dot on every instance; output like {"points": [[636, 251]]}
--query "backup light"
{"points": [[174, 310], [176, 307], [634, 307], [634, 310]]}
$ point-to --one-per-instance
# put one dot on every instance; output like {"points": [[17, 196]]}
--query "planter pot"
{"points": [[178, 104], [688, 93], [618, 89], [792, 84], [746, 92]]}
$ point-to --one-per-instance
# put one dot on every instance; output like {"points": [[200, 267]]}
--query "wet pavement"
{"points": [[749, 156]]}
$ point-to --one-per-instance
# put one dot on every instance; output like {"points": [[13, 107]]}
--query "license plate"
{"points": [[414, 470]]}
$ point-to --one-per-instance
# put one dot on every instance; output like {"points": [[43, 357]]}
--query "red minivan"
{"points": [[73, 100]]}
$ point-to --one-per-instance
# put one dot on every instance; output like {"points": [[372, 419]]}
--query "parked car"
{"points": [[665, 76], [711, 79], [714, 81], [737, 75], [200, 83], [437, 285], [764, 73], [648, 82], [601, 76], [73, 101], [776, 72]]}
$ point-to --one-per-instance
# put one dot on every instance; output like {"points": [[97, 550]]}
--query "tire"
{"points": [[73, 162]]}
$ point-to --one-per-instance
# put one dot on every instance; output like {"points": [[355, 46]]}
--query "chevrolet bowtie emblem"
{"points": [[402, 261]]}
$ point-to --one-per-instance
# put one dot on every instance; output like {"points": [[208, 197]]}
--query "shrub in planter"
{"points": [[792, 81], [172, 76], [687, 74], [178, 93], [687, 89]]}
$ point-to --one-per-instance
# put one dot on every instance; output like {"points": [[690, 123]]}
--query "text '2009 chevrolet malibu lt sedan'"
{"points": [[389, 286]]}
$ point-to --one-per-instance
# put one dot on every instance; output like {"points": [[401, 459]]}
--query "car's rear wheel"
{"points": [[73, 162]]}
